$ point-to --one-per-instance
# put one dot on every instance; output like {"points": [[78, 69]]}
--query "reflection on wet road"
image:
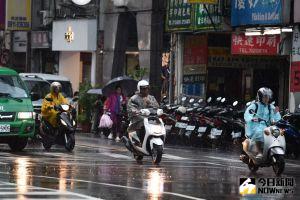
{"points": [[99, 168]]}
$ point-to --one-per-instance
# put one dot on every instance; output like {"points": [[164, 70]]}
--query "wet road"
{"points": [[103, 169]]}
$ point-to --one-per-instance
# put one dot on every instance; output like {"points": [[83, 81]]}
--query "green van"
{"points": [[17, 119]]}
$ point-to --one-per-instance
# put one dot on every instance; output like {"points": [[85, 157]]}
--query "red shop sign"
{"points": [[195, 50], [255, 45], [295, 77]]}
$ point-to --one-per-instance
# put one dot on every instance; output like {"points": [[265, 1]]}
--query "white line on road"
{"points": [[169, 156], [115, 155], [113, 185]]}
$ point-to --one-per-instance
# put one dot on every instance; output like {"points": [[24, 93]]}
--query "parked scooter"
{"points": [[273, 150], [64, 133], [149, 141]]}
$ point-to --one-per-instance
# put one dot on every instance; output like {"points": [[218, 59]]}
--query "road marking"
{"points": [[169, 156], [41, 191], [224, 159], [112, 185], [115, 155]]}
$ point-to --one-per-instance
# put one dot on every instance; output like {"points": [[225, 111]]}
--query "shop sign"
{"points": [[195, 50], [255, 45], [2, 14], [74, 35], [184, 16], [69, 35], [179, 15], [20, 41], [40, 39], [295, 77], [195, 78], [296, 11], [18, 17], [296, 44], [204, 1], [255, 12], [204, 21]]}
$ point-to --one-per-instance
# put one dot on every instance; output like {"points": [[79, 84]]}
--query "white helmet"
{"points": [[142, 83], [55, 85]]}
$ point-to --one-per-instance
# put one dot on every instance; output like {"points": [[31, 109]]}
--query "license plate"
{"points": [[216, 132], [168, 127], [4, 128], [180, 125], [190, 128], [236, 135], [202, 129]]}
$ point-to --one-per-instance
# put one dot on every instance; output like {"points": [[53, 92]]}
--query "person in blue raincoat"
{"points": [[263, 110]]}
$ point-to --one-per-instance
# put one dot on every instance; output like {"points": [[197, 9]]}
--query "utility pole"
{"points": [[172, 67]]}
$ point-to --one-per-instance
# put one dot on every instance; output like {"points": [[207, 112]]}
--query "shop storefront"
{"points": [[76, 41]]}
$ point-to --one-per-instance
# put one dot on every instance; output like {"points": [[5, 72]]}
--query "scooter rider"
{"points": [[255, 127], [48, 113], [141, 100]]}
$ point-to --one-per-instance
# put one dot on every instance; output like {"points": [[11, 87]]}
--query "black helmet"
{"points": [[264, 91]]}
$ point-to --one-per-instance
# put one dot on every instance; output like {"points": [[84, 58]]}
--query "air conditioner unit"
{"points": [[120, 3], [46, 16]]}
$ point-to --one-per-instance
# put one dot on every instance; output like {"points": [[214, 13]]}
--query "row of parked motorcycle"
{"points": [[219, 123]]}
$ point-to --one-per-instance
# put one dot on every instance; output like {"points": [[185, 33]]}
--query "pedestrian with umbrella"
{"points": [[114, 105]]}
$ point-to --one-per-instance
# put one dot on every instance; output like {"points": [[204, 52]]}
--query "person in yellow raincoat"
{"points": [[48, 113]]}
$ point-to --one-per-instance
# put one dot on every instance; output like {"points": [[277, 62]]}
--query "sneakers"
{"points": [[117, 139], [110, 136]]}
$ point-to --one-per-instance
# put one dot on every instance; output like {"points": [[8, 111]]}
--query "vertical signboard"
{"points": [[254, 12], [295, 66], [2, 14], [18, 15], [204, 21], [179, 16]]}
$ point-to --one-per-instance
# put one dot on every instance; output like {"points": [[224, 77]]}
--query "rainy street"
{"points": [[103, 169]]}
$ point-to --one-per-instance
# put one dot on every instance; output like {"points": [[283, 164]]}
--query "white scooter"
{"points": [[150, 139], [273, 150]]}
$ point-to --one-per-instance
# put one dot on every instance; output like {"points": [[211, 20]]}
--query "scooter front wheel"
{"points": [[278, 164], [157, 152], [69, 142]]}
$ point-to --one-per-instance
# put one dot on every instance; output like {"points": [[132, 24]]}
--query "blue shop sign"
{"points": [[254, 12]]}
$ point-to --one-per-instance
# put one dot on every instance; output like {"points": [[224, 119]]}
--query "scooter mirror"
{"points": [[192, 100], [235, 103], [219, 98], [160, 112], [209, 99], [249, 103], [223, 100], [201, 100], [196, 104], [183, 99]]}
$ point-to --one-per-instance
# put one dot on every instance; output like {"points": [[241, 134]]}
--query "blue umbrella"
{"points": [[127, 84]]}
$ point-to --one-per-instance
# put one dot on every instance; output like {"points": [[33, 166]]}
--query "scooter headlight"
{"points": [[276, 132], [74, 123], [65, 107], [63, 122]]}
